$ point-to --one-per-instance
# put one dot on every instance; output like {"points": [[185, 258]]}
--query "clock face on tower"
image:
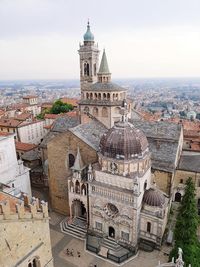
{"points": [[113, 167]]}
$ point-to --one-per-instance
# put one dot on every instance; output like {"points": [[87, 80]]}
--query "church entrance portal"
{"points": [[178, 197], [78, 209], [111, 232]]}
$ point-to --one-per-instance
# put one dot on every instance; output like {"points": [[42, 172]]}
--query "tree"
{"points": [[42, 114], [60, 107], [186, 228]]}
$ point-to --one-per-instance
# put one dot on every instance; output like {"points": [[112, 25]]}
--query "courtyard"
{"points": [[61, 242]]}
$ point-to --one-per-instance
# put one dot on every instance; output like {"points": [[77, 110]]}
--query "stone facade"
{"points": [[25, 237], [188, 167], [61, 151]]}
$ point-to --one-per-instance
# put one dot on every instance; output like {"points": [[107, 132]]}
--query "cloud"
{"points": [[39, 38]]}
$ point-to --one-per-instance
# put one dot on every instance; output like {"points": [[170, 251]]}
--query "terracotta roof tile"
{"points": [[72, 101], [29, 96], [10, 122], [51, 116], [24, 146]]}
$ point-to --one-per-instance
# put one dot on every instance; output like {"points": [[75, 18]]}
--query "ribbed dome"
{"points": [[153, 197], [123, 141], [88, 36]]}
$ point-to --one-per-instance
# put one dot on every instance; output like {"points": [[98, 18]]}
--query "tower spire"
{"points": [[88, 36], [78, 164], [104, 74]]}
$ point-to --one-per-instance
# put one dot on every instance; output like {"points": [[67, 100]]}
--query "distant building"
{"points": [[32, 104], [29, 131], [191, 115]]}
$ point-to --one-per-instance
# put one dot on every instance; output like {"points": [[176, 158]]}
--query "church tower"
{"points": [[89, 59]]}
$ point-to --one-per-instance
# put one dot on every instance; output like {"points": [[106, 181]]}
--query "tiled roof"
{"points": [[23, 116], [106, 87], [5, 134], [90, 133], [190, 161], [48, 126], [29, 96], [47, 105], [62, 124], [72, 101], [51, 116], [31, 155], [24, 146], [47, 138], [72, 113], [161, 129], [10, 123]]}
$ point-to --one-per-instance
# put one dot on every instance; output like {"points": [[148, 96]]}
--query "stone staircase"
{"points": [[76, 228], [110, 244]]}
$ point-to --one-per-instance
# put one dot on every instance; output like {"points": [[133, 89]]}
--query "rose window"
{"points": [[111, 210]]}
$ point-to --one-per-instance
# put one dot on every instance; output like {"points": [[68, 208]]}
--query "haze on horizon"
{"points": [[39, 39]]}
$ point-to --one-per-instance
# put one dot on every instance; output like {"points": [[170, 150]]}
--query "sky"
{"points": [[39, 39]]}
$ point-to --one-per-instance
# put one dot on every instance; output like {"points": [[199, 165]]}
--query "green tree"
{"points": [[185, 233], [42, 114], [60, 107]]}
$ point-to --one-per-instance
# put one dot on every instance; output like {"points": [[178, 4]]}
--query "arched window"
{"points": [[83, 190], [91, 95], [99, 96], [104, 96], [104, 112], [34, 263], [71, 159], [77, 187], [148, 227], [86, 69], [145, 185], [95, 111], [113, 96], [108, 96], [95, 96], [71, 185], [87, 95]]}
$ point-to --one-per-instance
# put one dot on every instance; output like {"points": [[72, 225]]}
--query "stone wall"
{"points": [[163, 180], [180, 179], [24, 234], [58, 151]]}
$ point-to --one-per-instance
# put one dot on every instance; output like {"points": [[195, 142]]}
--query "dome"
{"points": [[88, 36], [153, 197], [123, 141]]}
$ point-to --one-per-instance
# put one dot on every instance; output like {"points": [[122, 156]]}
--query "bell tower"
{"points": [[89, 59]]}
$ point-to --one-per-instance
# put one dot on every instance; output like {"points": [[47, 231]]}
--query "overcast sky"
{"points": [[39, 39]]}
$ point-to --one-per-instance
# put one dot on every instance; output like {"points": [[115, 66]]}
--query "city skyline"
{"points": [[40, 39]]}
